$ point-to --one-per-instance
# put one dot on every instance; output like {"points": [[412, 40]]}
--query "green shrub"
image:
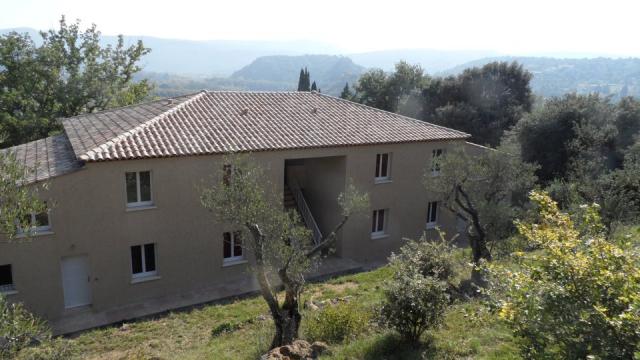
{"points": [[576, 297], [337, 323], [413, 304], [19, 329], [429, 258]]}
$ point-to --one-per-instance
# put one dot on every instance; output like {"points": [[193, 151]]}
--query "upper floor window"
{"points": [[6, 279], [435, 160], [432, 214], [232, 246], [143, 260], [379, 222], [227, 171], [383, 167], [138, 188], [37, 222]]}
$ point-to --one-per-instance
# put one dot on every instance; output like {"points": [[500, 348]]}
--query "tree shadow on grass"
{"points": [[391, 347]]}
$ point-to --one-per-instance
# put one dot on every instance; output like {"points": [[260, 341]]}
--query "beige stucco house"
{"points": [[126, 235]]}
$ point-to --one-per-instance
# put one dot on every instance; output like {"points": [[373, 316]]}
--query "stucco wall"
{"points": [[90, 217]]}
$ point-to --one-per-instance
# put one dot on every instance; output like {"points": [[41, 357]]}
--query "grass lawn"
{"points": [[241, 329]]}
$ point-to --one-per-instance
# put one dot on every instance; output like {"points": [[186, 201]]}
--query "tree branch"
{"points": [[327, 240]]}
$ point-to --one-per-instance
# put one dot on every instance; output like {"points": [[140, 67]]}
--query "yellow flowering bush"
{"points": [[578, 296]]}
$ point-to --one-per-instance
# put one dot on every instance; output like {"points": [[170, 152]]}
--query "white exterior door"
{"points": [[75, 281]]}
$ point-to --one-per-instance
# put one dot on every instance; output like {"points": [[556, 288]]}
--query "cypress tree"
{"points": [[307, 80], [346, 92], [314, 87], [301, 80]]}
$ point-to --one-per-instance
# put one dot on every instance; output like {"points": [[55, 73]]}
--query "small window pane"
{"points": [[378, 165], [136, 259], [6, 277], [384, 166], [380, 220], [227, 245], [374, 218], [132, 189], [226, 169], [42, 219], [150, 257], [145, 186], [237, 244]]}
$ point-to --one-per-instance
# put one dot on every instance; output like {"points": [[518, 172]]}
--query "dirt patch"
{"points": [[336, 289]]}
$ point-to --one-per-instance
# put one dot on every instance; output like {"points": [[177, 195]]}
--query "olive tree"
{"points": [[282, 247], [18, 200], [487, 189]]}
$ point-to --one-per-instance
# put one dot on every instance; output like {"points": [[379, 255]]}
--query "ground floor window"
{"points": [[6, 278], [143, 260], [432, 214], [232, 246], [379, 222], [37, 222]]}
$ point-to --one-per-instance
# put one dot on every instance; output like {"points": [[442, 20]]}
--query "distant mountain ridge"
{"points": [[432, 61], [330, 72], [555, 77], [181, 66], [204, 58]]}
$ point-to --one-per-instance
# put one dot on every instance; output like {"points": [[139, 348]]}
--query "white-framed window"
{"points": [[435, 160], [6, 279], [143, 260], [379, 221], [232, 246], [38, 222], [432, 214], [383, 167], [138, 188]]}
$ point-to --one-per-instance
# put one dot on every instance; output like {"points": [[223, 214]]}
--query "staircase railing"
{"points": [[305, 211]]}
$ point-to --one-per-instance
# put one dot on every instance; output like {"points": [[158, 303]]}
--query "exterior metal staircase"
{"points": [[294, 199]]}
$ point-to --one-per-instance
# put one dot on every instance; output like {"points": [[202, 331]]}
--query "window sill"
{"points": [[140, 208], [379, 236], [233, 262], [145, 279], [35, 234], [382, 180], [431, 226], [8, 292]]}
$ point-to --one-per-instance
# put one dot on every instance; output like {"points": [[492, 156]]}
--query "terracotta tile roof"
{"points": [[45, 158], [212, 122]]}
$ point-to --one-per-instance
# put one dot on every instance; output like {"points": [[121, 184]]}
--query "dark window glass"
{"points": [[6, 277], [380, 220], [227, 245], [42, 219], [150, 257], [237, 244], [433, 208], [132, 187], [373, 220], [136, 259], [378, 165], [227, 174], [385, 164], [145, 186], [435, 162]]}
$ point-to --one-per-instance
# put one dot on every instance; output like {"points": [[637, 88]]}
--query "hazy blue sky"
{"points": [[514, 27]]}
